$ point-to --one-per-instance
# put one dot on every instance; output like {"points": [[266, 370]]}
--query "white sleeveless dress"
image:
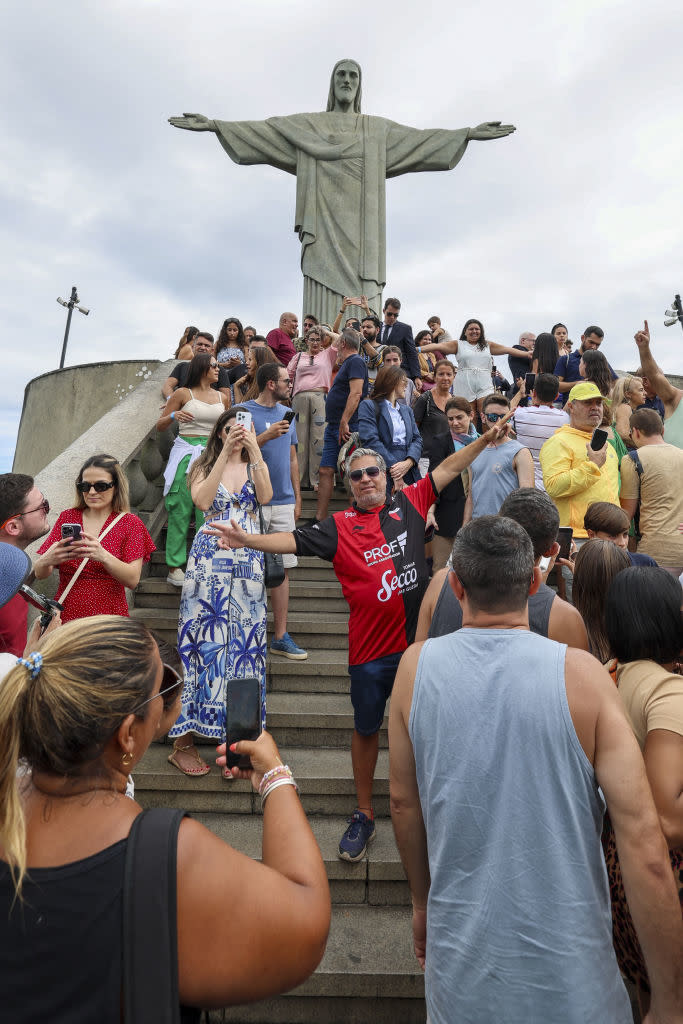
{"points": [[473, 379]]}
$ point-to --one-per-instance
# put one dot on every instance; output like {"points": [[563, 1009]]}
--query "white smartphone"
{"points": [[243, 417]]}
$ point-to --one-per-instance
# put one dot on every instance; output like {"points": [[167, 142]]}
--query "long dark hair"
{"points": [[482, 337], [597, 563], [546, 352], [222, 341], [187, 339], [387, 380], [198, 369], [597, 371], [214, 446]]}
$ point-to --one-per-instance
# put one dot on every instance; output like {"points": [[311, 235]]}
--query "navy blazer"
{"points": [[402, 337], [377, 432]]}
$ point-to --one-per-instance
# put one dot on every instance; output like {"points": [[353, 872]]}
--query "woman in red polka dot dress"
{"points": [[115, 560]]}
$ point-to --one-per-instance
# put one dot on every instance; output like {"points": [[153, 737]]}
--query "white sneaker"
{"points": [[176, 577]]}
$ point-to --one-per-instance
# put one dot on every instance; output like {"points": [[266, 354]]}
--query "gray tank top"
{"points": [[519, 926], [448, 614]]}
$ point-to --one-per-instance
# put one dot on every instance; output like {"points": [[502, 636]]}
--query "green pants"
{"points": [[180, 508]]}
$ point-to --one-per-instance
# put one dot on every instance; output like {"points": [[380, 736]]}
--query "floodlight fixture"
{"points": [[70, 305], [675, 313]]}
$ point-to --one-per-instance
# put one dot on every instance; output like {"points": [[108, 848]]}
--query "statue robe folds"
{"points": [[341, 162]]}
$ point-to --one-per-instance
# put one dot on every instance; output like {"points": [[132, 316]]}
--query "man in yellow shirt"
{"points": [[574, 475]]}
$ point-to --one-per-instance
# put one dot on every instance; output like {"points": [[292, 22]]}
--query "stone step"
{"points": [[377, 879], [324, 777], [369, 975], [324, 631], [304, 595], [313, 720], [322, 672]]}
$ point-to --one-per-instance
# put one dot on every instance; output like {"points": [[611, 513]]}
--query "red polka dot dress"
{"points": [[95, 592]]}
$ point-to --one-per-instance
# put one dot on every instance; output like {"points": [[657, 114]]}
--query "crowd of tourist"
{"points": [[529, 680]]}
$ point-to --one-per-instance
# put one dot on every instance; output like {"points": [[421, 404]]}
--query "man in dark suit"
{"points": [[394, 332]]}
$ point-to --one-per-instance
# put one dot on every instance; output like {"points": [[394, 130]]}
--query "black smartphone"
{"points": [[242, 716], [599, 439], [289, 415], [71, 531], [529, 381], [564, 539]]}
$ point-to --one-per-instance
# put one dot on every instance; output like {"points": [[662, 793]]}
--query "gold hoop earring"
{"points": [[128, 762]]}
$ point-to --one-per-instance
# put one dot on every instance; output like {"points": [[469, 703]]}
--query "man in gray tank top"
{"points": [[549, 615], [502, 744]]}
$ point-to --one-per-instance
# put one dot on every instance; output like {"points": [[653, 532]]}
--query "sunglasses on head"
{"points": [[493, 417], [100, 485], [171, 685], [357, 474]]}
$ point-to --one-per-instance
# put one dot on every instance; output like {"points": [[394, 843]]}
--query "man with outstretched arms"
{"points": [[377, 549]]}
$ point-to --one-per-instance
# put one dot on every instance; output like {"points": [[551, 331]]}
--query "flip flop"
{"points": [[201, 769], [227, 775]]}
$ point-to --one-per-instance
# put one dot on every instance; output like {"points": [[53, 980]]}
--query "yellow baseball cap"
{"points": [[582, 392]]}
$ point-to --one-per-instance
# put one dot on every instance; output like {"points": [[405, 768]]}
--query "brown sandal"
{"points": [[201, 769]]}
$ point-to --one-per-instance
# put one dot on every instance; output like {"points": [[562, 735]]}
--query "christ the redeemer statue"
{"points": [[341, 159]]}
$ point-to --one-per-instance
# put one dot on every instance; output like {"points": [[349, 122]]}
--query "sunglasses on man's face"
{"points": [[171, 685], [357, 474], [493, 417], [100, 486]]}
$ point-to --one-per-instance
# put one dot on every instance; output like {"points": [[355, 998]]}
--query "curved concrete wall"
{"points": [[61, 405]]}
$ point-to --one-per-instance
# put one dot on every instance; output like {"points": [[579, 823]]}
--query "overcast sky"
{"points": [[577, 217]]}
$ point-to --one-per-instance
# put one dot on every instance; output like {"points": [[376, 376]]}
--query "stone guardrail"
{"points": [[128, 432]]}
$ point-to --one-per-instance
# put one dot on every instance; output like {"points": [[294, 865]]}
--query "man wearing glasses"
{"points": [[377, 550], [501, 468], [23, 518]]}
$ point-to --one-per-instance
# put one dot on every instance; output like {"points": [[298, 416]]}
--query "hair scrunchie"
{"points": [[33, 663]]}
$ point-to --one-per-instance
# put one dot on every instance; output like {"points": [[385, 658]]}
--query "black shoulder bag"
{"points": [[274, 567]]}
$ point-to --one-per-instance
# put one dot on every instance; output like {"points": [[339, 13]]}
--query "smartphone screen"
{"points": [[243, 716], [598, 439], [564, 539]]}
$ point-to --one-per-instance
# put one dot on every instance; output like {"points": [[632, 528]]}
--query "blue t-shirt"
{"points": [[637, 559], [353, 367], [276, 452], [568, 368]]}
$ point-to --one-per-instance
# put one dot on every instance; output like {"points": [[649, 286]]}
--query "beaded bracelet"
{"points": [[279, 769], [275, 784], [256, 465]]}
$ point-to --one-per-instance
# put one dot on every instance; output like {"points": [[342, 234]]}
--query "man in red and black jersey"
{"points": [[377, 550]]}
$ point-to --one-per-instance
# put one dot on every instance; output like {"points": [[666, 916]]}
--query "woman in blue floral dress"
{"points": [[222, 627]]}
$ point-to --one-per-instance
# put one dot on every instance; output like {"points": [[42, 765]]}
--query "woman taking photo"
{"points": [[114, 541], [311, 375], [195, 408], [430, 408], [645, 633], [246, 387], [222, 626], [231, 346], [474, 353], [390, 429], [79, 715]]}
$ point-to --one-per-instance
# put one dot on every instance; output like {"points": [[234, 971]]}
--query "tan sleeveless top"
{"points": [[205, 415]]}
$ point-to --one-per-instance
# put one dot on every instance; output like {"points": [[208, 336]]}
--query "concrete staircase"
{"points": [[369, 972]]}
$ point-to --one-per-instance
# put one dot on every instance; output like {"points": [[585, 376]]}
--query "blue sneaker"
{"points": [[358, 836], [288, 649]]}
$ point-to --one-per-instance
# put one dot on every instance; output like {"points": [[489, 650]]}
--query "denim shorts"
{"points": [[371, 686], [331, 446]]}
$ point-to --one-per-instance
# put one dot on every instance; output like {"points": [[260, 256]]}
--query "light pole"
{"points": [[73, 301], [675, 314]]}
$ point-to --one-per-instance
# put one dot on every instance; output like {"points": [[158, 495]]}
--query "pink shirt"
{"points": [[281, 344], [311, 376]]}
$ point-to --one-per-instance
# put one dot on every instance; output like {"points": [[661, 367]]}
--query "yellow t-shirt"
{"points": [[661, 501], [652, 697]]}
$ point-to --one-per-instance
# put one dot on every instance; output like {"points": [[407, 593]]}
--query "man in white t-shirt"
{"points": [[538, 421]]}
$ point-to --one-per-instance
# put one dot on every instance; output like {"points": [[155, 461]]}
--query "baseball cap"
{"points": [[14, 567], [582, 392]]}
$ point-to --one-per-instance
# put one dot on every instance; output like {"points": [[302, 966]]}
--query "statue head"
{"points": [[346, 76]]}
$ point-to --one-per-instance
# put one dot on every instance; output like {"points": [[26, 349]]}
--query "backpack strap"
{"points": [[150, 936], [635, 458]]}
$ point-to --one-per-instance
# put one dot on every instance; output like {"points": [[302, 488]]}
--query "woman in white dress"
{"points": [[474, 354]]}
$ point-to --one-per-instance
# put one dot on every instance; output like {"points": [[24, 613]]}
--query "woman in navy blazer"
{"points": [[390, 428]]}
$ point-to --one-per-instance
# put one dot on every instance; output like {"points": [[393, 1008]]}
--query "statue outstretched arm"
{"points": [[490, 130], [193, 123]]}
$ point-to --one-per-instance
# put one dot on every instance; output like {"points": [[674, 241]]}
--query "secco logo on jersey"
{"points": [[400, 582]]}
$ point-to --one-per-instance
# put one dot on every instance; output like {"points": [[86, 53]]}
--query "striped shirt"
{"points": [[533, 426]]}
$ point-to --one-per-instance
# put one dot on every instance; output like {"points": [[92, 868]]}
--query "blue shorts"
{"points": [[371, 686], [331, 446]]}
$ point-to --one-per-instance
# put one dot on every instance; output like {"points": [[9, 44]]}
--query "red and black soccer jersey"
{"points": [[378, 556]]}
